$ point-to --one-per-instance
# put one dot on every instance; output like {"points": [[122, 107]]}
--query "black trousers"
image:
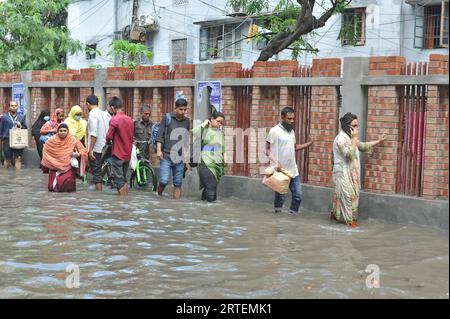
{"points": [[39, 146], [208, 182]]}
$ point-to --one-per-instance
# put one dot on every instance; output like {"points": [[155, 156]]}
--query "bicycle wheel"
{"points": [[143, 177], [106, 173]]}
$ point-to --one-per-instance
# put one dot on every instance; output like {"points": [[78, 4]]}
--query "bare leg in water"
{"points": [[18, 163], [177, 193], [124, 190]]}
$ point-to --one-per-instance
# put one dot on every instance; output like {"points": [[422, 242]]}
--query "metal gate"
{"points": [[412, 114], [127, 95], [301, 102], [243, 98]]}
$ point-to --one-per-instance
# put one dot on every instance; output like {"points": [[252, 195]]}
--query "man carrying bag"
{"points": [[13, 149]]}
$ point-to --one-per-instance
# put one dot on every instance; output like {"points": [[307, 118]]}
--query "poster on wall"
{"points": [[18, 95], [215, 96]]}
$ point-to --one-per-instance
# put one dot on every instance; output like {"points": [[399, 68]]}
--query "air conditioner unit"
{"points": [[149, 23]]}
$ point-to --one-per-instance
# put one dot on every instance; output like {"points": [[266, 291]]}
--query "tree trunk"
{"points": [[283, 41]]}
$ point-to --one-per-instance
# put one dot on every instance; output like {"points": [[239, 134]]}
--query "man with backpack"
{"points": [[172, 147]]}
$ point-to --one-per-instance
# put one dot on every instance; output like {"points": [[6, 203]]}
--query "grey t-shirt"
{"points": [[175, 138]]}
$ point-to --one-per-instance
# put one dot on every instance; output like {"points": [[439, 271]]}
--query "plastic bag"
{"points": [[133, 160], [74, 162]]}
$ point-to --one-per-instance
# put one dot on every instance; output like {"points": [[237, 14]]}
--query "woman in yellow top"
{"points": [[77, 125]]}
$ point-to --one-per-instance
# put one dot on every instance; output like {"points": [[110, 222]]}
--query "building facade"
{"points": [[201, 31]]}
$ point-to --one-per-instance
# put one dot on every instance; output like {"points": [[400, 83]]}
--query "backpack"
{"points": [[155, 130]]}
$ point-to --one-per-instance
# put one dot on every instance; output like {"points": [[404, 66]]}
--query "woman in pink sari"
{"points": [[52, 125], [58, 154]]}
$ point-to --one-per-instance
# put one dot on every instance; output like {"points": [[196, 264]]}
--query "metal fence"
{"points": [[412, 114]]}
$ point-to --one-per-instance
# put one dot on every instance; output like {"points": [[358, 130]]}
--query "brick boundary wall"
{"points": [[266, 103]]}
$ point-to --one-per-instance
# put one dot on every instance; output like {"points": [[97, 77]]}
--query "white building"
{"points": [[202, 31]]}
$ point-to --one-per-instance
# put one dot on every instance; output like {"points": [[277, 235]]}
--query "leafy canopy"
{"points": [[33, 35]]}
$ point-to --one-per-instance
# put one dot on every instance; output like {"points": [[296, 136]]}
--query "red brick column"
{"points": [[229, 110], [221, 71], [436, 167], [383, 118], [324, 115]]}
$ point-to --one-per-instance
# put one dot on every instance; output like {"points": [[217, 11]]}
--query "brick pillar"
{"points": [[137, 103], [324, 115], [436, 164], [228, 70], [264, 115], [229, 110], [383, 118]]}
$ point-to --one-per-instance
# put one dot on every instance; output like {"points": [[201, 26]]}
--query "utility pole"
{"points": [[116, 27], [134, 16]]}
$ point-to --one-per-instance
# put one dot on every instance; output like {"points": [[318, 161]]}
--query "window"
{"points": [[431, 26], [179, 48], [221, 41], [353, 29], [91, 51]]}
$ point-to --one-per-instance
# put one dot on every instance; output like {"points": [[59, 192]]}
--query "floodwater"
{"points": [[145, 246]]}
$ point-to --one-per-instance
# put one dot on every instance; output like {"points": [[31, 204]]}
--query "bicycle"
{"points": [[144, 174], [106, 172]]}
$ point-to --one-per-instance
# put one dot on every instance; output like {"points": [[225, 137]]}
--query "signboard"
{"points": [[18, 95], [215, 96]]}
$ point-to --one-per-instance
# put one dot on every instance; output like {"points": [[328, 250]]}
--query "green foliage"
{"points": [[284, 19], [129, 53], [33, 35], [91, 51]]}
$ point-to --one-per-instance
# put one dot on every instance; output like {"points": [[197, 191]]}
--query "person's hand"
{"points": [[91, 155], [354, 132], [18, 124], [160, 156], [189, 167], [311, 141], [55, 130], [382, 138], [205, 123], [278, 167]]}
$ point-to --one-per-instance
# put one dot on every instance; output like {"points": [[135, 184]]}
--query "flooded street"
{"points": [[145, 246]]}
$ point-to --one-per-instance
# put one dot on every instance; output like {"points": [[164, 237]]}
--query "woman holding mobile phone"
{"points": [[346, 169]]}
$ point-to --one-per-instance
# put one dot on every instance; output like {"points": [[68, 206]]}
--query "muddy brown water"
{"points": [[146, 246]]}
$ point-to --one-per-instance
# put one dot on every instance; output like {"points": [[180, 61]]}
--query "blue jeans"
{"points": [[166, 165], [297, 195]]}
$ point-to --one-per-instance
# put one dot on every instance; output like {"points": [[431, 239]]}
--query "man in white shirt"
{"points": [[281, 148], [98, 124]]}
